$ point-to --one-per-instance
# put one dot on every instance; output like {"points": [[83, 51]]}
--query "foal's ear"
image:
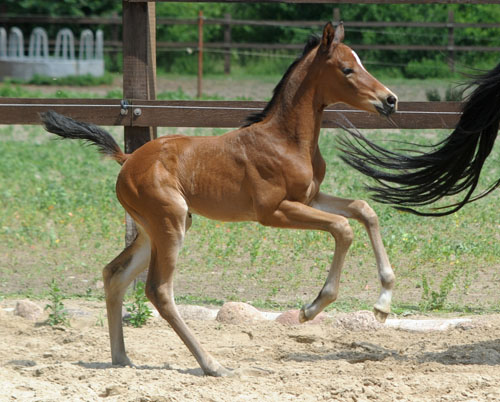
{"points": [[339, 33], [332, 36], [328, 35]]}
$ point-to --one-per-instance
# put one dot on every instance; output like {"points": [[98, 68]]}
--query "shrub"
{"points": [[58, 315], [432, 95], [432, 300], [453, 94], [138, 309], [427, 68]]}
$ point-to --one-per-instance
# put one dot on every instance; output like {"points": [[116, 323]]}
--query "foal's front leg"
{"points": [[295, 215], [361, 211]]}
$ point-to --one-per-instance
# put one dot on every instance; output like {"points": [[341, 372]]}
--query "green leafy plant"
{"points": [[432, 300], [58, 315], [100, 320], [139, 311], [432, 95]]}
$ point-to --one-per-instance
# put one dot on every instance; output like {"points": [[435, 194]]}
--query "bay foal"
{"points": [[268, 171]]}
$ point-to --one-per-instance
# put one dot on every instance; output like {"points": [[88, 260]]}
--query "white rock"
{"points": [[426, 325]]}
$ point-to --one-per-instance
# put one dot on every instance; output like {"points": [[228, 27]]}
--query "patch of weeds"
{"points": [[58, 315], [433, 95], [453, 94], [432, 300], [100, 320], [73, 80], [190, 299], [139, 311]]}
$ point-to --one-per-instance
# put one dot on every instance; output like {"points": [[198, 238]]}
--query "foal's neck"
{"points": [[299, 110]]}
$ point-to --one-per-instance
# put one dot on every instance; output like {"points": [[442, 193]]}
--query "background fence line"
{"points": [[115, 45]]}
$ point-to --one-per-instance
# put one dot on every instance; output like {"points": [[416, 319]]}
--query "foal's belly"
{"points": [[232, 209]]}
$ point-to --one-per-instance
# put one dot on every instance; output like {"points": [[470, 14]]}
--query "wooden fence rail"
{"points": [[228, 114]]}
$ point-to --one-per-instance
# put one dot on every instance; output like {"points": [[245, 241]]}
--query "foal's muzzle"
{"points": [[388, 106]]}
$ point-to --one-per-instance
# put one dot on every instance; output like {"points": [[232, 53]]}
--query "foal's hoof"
{"points": [[302, 315], [219, 372], [123, 362], [380, 315]]}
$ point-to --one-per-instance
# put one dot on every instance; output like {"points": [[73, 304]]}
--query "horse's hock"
{"points": [[14, 63]]}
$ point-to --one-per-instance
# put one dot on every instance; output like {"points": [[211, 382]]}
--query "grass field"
{"points": [[59, 218]]}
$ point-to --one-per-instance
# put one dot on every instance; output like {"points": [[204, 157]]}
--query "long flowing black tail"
{"points": [[453, 166], [66, 127]]}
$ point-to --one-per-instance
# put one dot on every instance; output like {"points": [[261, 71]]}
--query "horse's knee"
{"points": [[342, 231], [366, 213]]}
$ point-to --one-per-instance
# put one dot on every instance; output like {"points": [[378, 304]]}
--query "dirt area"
{"points": [[271, 362], [248, 88]]}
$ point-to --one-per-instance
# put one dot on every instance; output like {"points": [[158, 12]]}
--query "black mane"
{"points": [[312, 42]]}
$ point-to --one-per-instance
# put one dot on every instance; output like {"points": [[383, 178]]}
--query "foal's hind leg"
{"points": [[118, 274], [167, 234], [361, 211]]}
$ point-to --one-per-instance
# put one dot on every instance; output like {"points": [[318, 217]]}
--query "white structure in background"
{"points": [[14, 63]]}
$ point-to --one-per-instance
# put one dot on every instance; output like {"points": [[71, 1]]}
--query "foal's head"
{"points": [[344, 79]]}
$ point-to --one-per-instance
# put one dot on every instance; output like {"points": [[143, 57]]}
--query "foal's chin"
{"points": [[385, 111]]}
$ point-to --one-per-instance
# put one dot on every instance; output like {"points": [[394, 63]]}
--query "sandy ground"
{"points": [[271, 362]]}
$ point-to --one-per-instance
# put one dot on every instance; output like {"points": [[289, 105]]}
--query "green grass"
{"points": [[11, 89], [60, 218], [72, 80]]}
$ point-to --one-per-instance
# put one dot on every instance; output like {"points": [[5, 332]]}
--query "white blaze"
{"points": [[358, 60]]}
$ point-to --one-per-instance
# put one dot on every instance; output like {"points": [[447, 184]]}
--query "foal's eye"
{"points": [[347, 71]]}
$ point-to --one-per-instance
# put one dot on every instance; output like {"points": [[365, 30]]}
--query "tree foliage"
{"points": [[427, 63]]}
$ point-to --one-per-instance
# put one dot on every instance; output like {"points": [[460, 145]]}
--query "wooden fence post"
{"points": [[336, 16], [227, 43], [200, 53], [139, 74], [451, 41], [115, 33]]}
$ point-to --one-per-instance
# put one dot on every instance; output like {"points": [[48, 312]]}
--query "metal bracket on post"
{"points": [[124, 107]]}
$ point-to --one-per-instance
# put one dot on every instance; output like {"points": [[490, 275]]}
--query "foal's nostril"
{"points": [[391, 100]]}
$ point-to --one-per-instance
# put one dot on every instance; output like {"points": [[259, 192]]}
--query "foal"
{"points": [[268, 171]]}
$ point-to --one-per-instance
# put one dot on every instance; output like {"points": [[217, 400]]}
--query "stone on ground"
{"points": [[291, 317], [358, 321], [27, 309], [198, 313], [237, 313]]}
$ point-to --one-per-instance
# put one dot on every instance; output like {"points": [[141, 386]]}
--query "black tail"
{"points": [[66, 127], [454, 165]]}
